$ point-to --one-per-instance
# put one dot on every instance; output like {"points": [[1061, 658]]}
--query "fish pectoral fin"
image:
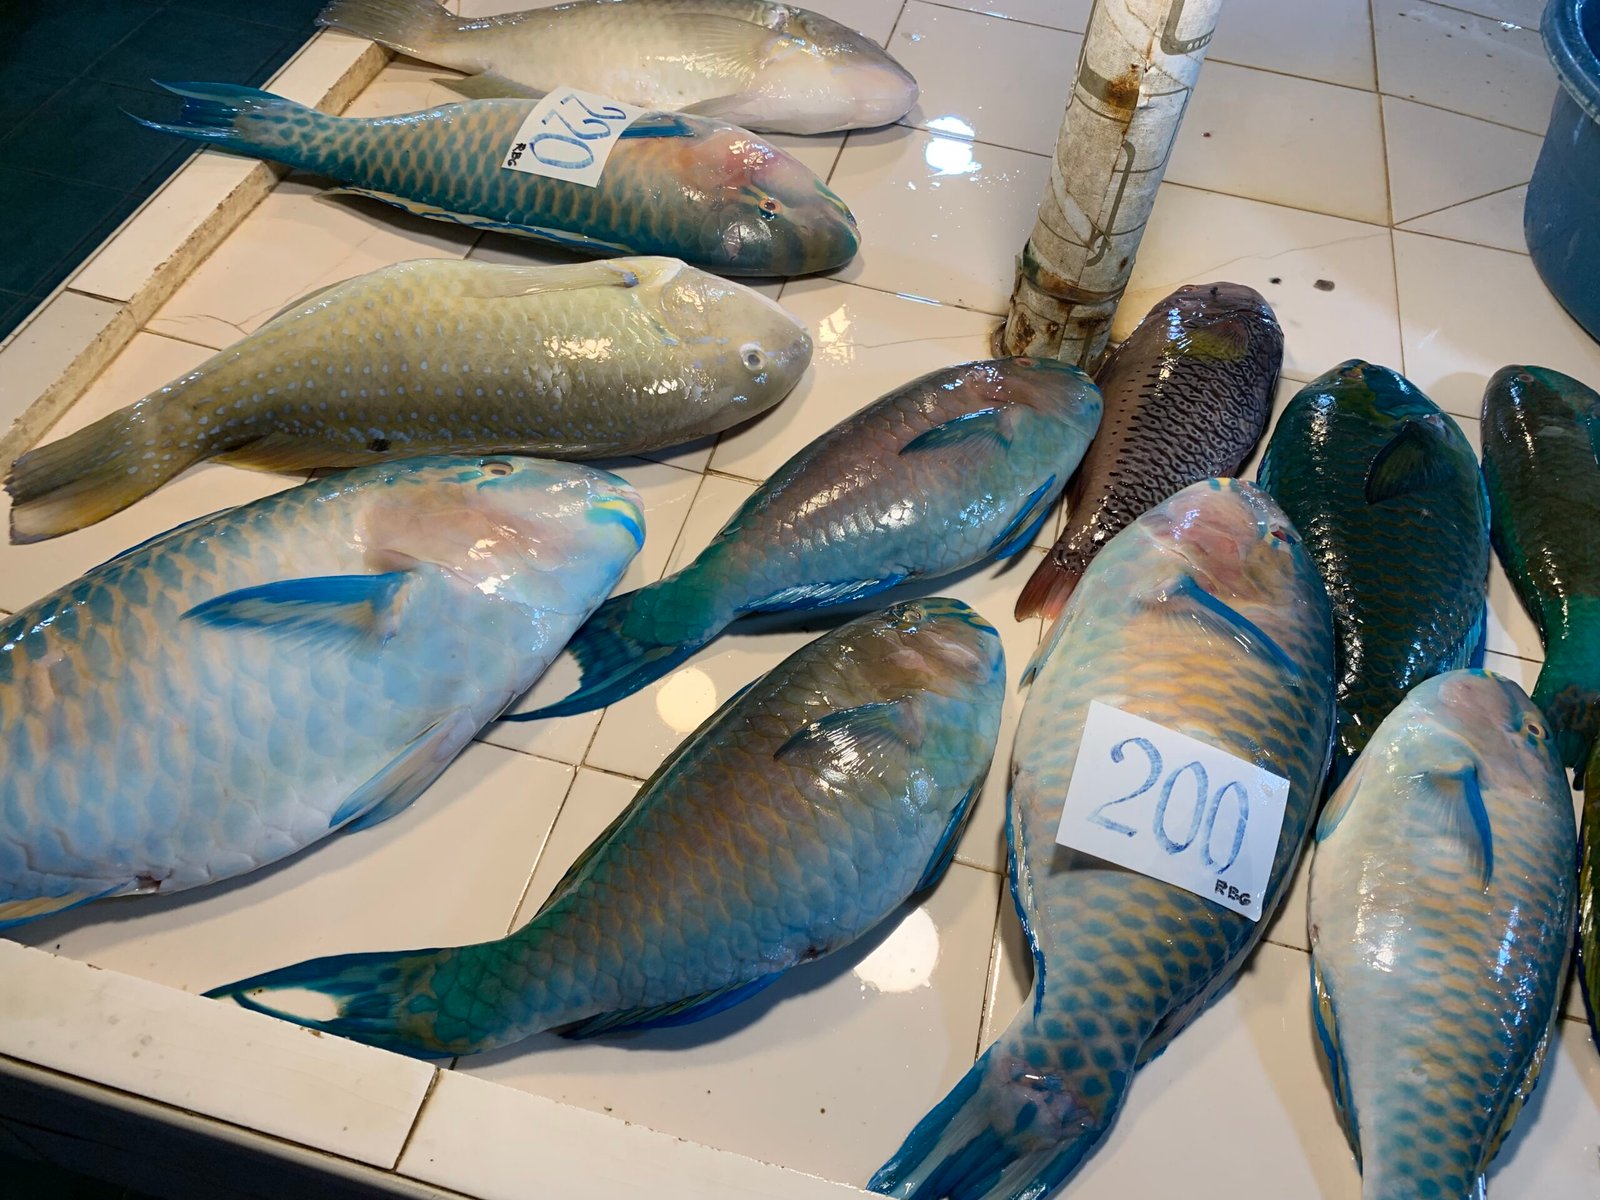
{"points": [[831, 591], [1324, 1014], [328, 609], [1458, 796], [1024, 527], [31, 908], [860, 735], [1188, 597], [984, 429], [1411, 461], [491, 85], [664, 1016], [730, 48], [511, 282], [408, 774], [1339, 802], [421, 208]]}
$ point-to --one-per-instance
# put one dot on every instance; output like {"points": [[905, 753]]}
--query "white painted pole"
{"points": [[1139, 63]]}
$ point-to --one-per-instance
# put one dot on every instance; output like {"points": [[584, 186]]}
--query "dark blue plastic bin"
{"points": [[1562, 217]]}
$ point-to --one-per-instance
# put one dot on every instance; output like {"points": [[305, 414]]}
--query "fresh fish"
{"points": [[953, 468], [1589, 896], [693, 188], [244, 685], [1386, 491], [770, 67], [1205, 615], [430, 357], [1187, 397], [1541, 461], [799, 816], [1440, 916]]}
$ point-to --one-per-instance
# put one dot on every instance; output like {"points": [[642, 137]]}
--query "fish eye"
{"points": [[752, 356], [1537, 730], [497, 467], [770, 208]]}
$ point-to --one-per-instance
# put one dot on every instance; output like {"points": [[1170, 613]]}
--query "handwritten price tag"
{"points": [[569, 135], [1168, 806]]}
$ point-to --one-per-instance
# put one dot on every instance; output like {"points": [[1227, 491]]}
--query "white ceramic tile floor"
{"points": [[1293, 192]]}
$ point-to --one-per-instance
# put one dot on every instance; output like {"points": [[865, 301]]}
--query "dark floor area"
{"points": [[21, 1180], [72, 166]]}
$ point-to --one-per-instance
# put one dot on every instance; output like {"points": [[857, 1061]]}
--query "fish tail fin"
{"points": [[89, 475], [393, 1000], [1050, 586], [634, 639], [244, 120], [1018, 1124], [409, 26], [1568, 689]]}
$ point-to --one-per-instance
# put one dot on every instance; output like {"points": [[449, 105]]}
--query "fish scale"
{"points": [[740, 858], [1406, 567], [702, 190], [1186, 397], [1439, 937], [148, 747], [1123, 962]]}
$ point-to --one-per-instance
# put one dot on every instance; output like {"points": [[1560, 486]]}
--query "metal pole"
{"points": [[1139, 63]]}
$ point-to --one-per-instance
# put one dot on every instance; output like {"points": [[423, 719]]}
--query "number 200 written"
{"points": [[1204, 806]]}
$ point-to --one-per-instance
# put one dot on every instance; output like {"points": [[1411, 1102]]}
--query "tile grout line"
{"points": [[1388, 185], [1458, 113], [405, 1143], [544, 847], [1433, 212], [1460, 241]]}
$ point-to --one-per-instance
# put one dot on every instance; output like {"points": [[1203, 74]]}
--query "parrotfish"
{"points": [[1541, 461], [765, 66], [702, 190], [1204, 615], [955, 467], [795, 819], [1187, 397], [1386, 491], [439, 356], [246, 684], [1440, 917], [1588, 937]]}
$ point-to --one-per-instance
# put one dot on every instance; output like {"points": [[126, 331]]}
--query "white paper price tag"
{"points": [[1168, 806], [569, 135]]}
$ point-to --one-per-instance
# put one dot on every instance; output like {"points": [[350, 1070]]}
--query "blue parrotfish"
{"points": [[770, 67], [1442, 900], [1206, 616], [1386, 491], [587, 360], [694, 188], [955, 467], [796, 818], [246, 684]]}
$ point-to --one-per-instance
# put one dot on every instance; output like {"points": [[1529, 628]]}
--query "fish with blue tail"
{"points": [[1440, 917], [958, 466], [1541, 461], [1206, 616], [795, 819], [702, 190], [1386, 491], [251, 682]]}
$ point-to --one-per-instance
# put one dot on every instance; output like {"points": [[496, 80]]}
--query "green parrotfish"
{"points": [[795, 819]]}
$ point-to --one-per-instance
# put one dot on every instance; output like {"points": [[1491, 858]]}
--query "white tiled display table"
{"points": [[1389, 166]]}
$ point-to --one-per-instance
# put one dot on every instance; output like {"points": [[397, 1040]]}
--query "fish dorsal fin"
{"points": [[510, 282], [945, 849], [1456, 798], [1326, 1017], [328, 609], [1046, 645], [985, 428], [1518, 1096], [1338, 804], [678, 1012], [1185, 594], [31, 908], [863, 734], [1024, 527], [1411, 461], [491, 85], [408, 774]]}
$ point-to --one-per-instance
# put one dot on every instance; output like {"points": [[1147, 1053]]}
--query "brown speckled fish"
{"points": [[1187, 397]]}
